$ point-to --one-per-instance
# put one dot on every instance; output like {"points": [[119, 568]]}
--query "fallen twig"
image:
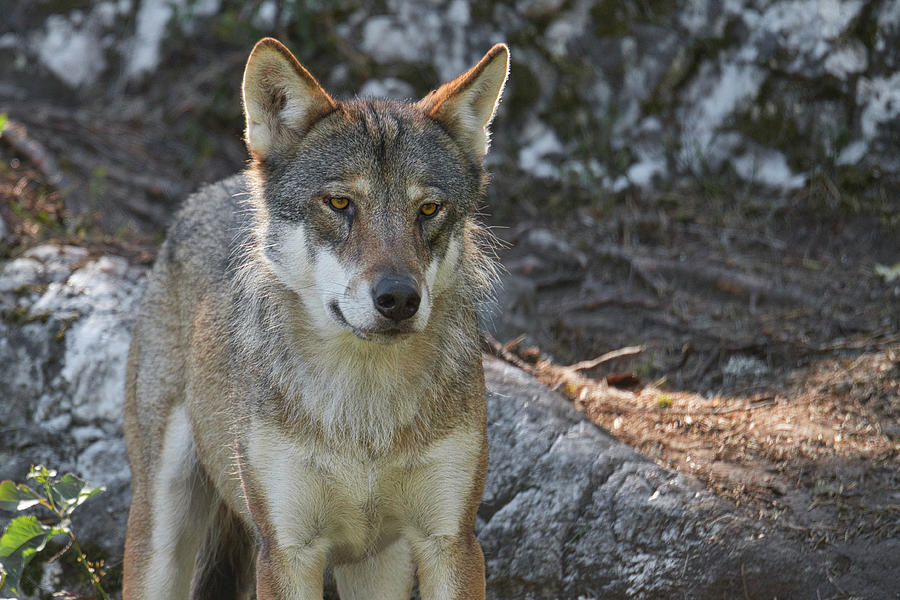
{"points": [[612, 355], [503, 351]]}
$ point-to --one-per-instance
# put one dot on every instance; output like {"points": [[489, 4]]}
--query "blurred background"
{"points": [[712, 184]]}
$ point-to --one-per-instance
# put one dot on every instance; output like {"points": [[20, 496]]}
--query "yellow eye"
{"points": [[429, 209], [339, 203]]}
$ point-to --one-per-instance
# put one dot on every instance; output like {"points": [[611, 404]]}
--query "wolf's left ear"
{"points": [[466, 105], [281, 99]]}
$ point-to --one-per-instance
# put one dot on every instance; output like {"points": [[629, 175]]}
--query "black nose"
{"points": [[396, 297]]}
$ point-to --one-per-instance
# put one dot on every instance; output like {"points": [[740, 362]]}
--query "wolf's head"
{"points": [[365, 205]]}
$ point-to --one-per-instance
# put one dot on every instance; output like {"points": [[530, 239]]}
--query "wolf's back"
{"points": [[201, 239]]}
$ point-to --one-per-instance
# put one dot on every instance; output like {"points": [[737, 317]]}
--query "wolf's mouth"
{"points": [[371, 335]]}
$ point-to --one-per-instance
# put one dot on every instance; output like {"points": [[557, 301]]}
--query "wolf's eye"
{"points": [[338, 203], [429, 209]]}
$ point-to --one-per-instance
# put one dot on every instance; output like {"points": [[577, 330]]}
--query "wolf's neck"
{"points": [[356, 390]]}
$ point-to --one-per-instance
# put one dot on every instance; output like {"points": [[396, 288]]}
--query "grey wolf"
{"points": [[304, 391]]}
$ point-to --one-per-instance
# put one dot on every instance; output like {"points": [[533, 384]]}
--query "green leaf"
{"points": [[71, 492], [17, 497], [41, 474], [24, 537], [2, 122]]}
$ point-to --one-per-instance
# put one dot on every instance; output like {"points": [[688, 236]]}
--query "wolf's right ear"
{"points": [[281, 98], [466, 105]]}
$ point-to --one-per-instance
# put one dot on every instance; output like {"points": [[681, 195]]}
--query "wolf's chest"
{"points": [[315, 495]]}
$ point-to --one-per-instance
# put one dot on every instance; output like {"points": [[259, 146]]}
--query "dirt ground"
{"points": [[755, 340]]}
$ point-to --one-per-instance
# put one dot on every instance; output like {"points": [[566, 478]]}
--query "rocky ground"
{"points": [[709, 185]]}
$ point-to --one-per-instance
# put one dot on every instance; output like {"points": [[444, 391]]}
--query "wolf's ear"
{"points": [[281, 98], [466, 105]]}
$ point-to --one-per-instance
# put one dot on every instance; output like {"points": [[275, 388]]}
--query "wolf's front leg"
{"points": [[290, 573], [170, 511], [288, 502], [450, 567]]}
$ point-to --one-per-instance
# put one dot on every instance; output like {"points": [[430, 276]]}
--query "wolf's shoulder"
{"points": [[208, 213], [205, 230]]}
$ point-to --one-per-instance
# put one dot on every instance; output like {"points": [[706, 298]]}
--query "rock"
{"points": [[771, 92], [553, 248], [63, 348], [432, 33], [539, 9], [805, 33], [879, 99], [849, 59], [72, 53], [152, 24], [741, 365], [564, 31], [887, 36], [768, 167], [386, 40], [267, 13], [390, 87], [852, 154], [540, 145], [718, 91], [511, 312], [19, 273], [647, 147]]}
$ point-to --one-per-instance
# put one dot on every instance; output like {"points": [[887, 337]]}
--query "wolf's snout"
{"points": [[396, 297]]}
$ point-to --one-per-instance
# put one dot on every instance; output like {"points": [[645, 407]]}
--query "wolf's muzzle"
{"points": [[396, 297]]}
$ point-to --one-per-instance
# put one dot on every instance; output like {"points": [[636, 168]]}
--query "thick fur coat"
{"points": [[304, 388]]}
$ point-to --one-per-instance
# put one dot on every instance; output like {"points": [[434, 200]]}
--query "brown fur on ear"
{"points": [[466, 105], [280, 97]]}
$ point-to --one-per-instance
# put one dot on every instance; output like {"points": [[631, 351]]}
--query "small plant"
{"points": [[664, 402], [25, 536]]}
